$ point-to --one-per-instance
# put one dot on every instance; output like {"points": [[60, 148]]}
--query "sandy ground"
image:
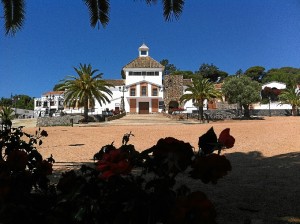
{"points": [[263, 186]]}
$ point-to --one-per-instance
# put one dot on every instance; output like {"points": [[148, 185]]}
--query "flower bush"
{"points": [[123, 186]]}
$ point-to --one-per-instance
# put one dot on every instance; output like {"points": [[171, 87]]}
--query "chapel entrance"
{"points": [[143, 107]]}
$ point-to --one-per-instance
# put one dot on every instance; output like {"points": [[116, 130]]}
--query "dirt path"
{"points": [[263, 185]]}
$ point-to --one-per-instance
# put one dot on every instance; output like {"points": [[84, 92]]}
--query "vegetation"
{"points": [[256, 73], [6, 115], [292, 97], [243, 91], [211, 72], [14, 12], [123, 186], [287, 75], [200, 90], [18, 101], [270, 94], [169, 68], [84, 89]]}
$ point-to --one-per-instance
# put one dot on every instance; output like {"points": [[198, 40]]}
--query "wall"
{"points": [[58, 121], [173, 89]]}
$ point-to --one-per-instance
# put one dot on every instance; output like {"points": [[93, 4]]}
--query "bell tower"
{"points": [[143, 51]]}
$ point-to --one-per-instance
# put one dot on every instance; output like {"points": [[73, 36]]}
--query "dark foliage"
{"points": [[124, 186]]}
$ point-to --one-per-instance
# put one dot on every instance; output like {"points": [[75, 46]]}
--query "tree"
{"points": [[83, 90], [169, 68], [185, 74], [198, 91], [243, 91], [239, 73], [5, 101], [23, 102], [14, 12], [6, 115], [287, 75], [211, 72], [292, 97], [256, 73]]}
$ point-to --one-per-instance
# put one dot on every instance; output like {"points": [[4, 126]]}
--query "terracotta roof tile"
{"points": [[187, 82], [53, 93], [144, 62], [115, 82]]}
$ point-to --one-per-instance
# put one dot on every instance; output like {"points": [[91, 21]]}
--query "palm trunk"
{"points": [[200, 110], [246, 110], [294, 110], [86, 110]]}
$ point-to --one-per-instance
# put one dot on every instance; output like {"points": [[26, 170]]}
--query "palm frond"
{"points": [[14, 15], [99, 12], [172, 8]]}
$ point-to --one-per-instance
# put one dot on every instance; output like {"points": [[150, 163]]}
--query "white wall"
{"points": [[277, 85]]}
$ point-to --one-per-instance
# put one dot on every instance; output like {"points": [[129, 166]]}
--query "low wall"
{"points": [[69, 120], [276, 112], [118, 116], [58, 121], [225, 114]]}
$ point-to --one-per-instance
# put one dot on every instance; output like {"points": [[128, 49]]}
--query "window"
{"points": [[154, 92], [144, 91], [144, 73], [132, 91], [143, 52], [161, 104], [38, 103]]}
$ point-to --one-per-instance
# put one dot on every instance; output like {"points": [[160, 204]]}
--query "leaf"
{"points": [[44, 133], [208, 142]]}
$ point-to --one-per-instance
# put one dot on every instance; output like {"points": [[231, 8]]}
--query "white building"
{"points": [[141, 90], [49, 104], [273, 104]]}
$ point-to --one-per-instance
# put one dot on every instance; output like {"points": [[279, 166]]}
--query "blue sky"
{"points": [[231, 34]]}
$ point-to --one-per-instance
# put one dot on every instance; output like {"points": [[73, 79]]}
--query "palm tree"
{"points": [[6, 116], [292, 97], [198, 91], [14, 12], [83, 90]]}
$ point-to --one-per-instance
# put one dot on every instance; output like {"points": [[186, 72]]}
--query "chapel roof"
{"points": [[144, 62], [53, 93], [116, 82]]}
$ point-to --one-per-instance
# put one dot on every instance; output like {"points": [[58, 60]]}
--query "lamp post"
{"points": [[269, 106], [49, 98], [123, 89]]}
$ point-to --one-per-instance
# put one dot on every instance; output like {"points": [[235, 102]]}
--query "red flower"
{"points": [[194, 208], [226, 139], [171, 155], [210, 168], [17, 160], [113, 163]]}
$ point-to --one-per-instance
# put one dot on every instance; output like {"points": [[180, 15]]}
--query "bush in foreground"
{"points": [[124, 186]]}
